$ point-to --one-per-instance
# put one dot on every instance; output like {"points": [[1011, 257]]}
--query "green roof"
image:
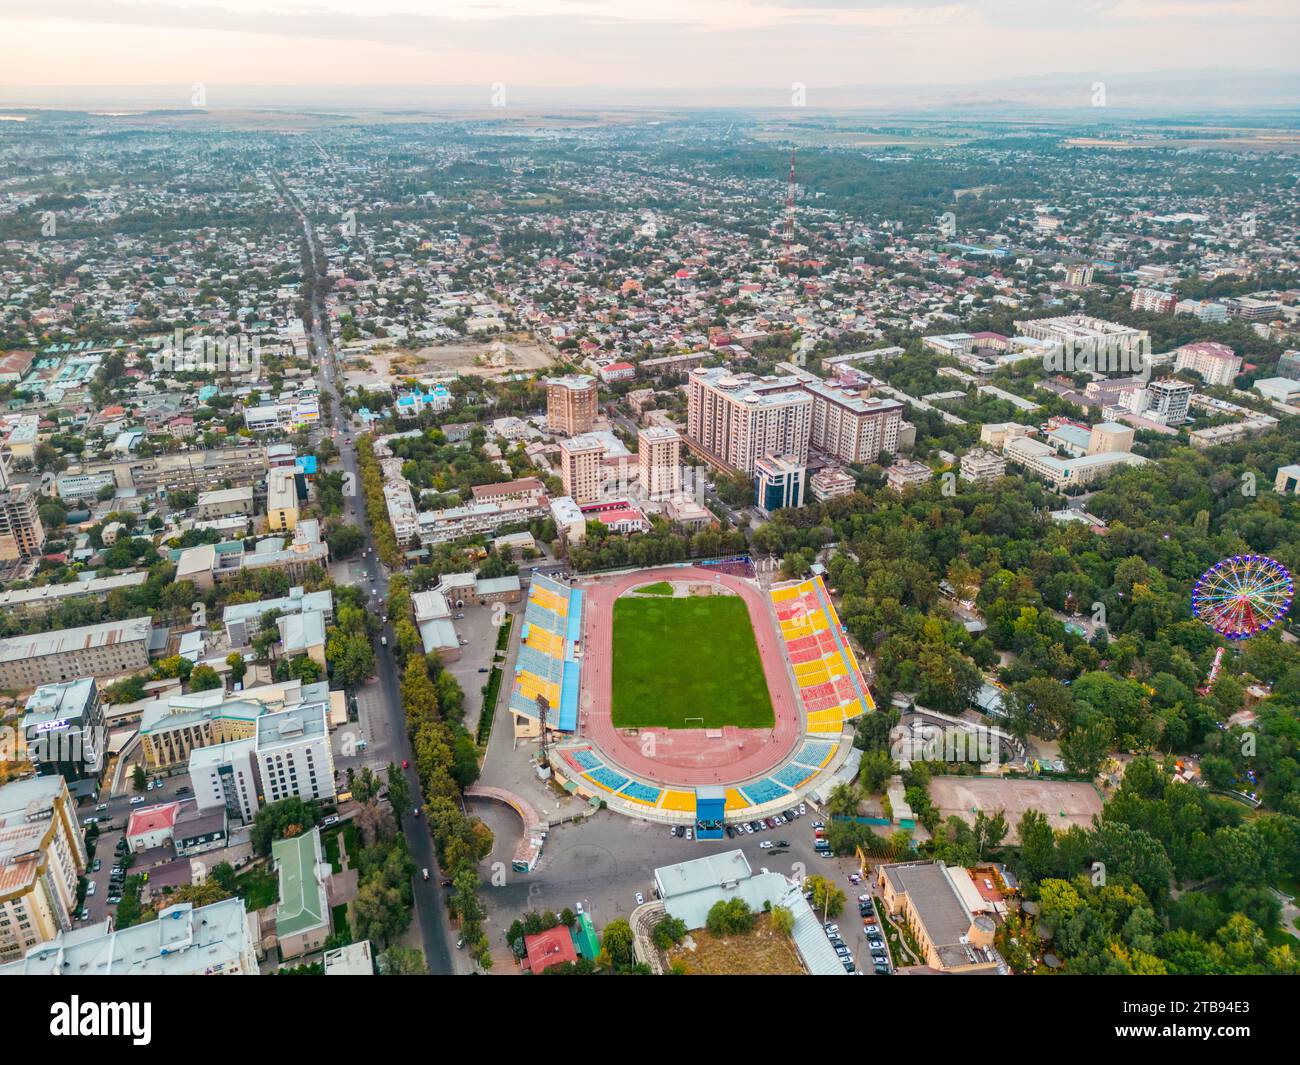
{"points": [[302, 895], [584, 937]]}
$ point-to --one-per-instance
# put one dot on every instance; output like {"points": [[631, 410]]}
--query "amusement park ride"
{"points": [[1241, 597]]}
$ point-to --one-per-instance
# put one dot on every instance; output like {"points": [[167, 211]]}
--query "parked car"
{"points": [[640, 899], [90, 889], [101, 806], [749, 829], [136, 800], [577, 907], [803, 809], [424, 874], [95, 866], [482, 669], [113, 900], [679, 831], [90, 821], [333, 819], [766, 845]]}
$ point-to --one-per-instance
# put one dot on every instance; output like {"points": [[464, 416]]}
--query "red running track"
{"points": [[684, 757]]}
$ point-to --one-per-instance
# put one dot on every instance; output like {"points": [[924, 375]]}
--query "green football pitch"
{"points": [[687, 663]]}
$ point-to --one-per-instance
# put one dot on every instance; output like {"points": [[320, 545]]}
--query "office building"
{"points": [[302, 915], [1288, 365], [571, 404], [224, 777], [42, 856], [105, 650], [659, 461], [22, 535], [779, 482], [224, 503], [1110, 436], [64, 730], [581, 468], [952, 939], [293, 754], [282, 500], [736, 419]]}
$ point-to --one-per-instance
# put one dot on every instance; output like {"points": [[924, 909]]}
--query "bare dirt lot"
{"points": [[761, 953], [1065, 803], [489, 357]]}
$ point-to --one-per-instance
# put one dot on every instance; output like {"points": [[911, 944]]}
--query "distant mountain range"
{"points": [[1152, 93]]}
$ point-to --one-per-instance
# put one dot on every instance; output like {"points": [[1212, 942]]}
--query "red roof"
{"points": [[552, 947], [152, 818]]}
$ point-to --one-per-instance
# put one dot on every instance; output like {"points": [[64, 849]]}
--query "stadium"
{"points": [[688, 694]]}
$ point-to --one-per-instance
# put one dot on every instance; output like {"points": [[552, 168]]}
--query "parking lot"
{"points": [[603, 861]]}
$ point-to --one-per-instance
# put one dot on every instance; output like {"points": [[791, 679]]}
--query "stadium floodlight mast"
{"points": [[543, 708]]}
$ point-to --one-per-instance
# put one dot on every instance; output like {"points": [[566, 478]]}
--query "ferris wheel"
{"points": [[1242, 596]]}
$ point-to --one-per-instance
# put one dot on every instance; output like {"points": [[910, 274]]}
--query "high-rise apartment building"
{"points": [[571, 403], [1168, 401], [580, 468], [21, 533], [739, 418], [1153, 300], [659, 460], [41, 858], [1216, 363], [851, 427]]}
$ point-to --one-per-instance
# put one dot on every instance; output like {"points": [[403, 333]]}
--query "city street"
{"points": [[383, 710]]}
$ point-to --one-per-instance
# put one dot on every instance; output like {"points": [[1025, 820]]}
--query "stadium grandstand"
{"points": [[547, 666], [826, 670]]}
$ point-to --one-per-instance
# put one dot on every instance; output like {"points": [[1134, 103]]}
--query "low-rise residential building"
{"points": [[831, 483], [105, 650], [908, 474], [224, 503], [186, 940], [982, 467]]}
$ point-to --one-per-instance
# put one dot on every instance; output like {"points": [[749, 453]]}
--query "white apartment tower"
{"points": [[739, 418], [580, 467], [851, 427], [659, 458]]}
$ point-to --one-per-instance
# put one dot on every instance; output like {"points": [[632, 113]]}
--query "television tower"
{"points": [[787, 238]]}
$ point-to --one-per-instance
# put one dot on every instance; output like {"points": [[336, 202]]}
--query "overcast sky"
{"points": [[748, 44]]}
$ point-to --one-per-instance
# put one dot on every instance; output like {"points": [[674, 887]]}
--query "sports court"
{"points": [[1065, 802]]}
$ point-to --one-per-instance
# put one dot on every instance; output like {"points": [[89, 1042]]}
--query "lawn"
{"points": [[687, 663], [258, 887], [659, 588]]}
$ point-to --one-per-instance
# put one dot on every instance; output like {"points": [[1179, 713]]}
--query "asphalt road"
{"points": [[429, 903]]}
